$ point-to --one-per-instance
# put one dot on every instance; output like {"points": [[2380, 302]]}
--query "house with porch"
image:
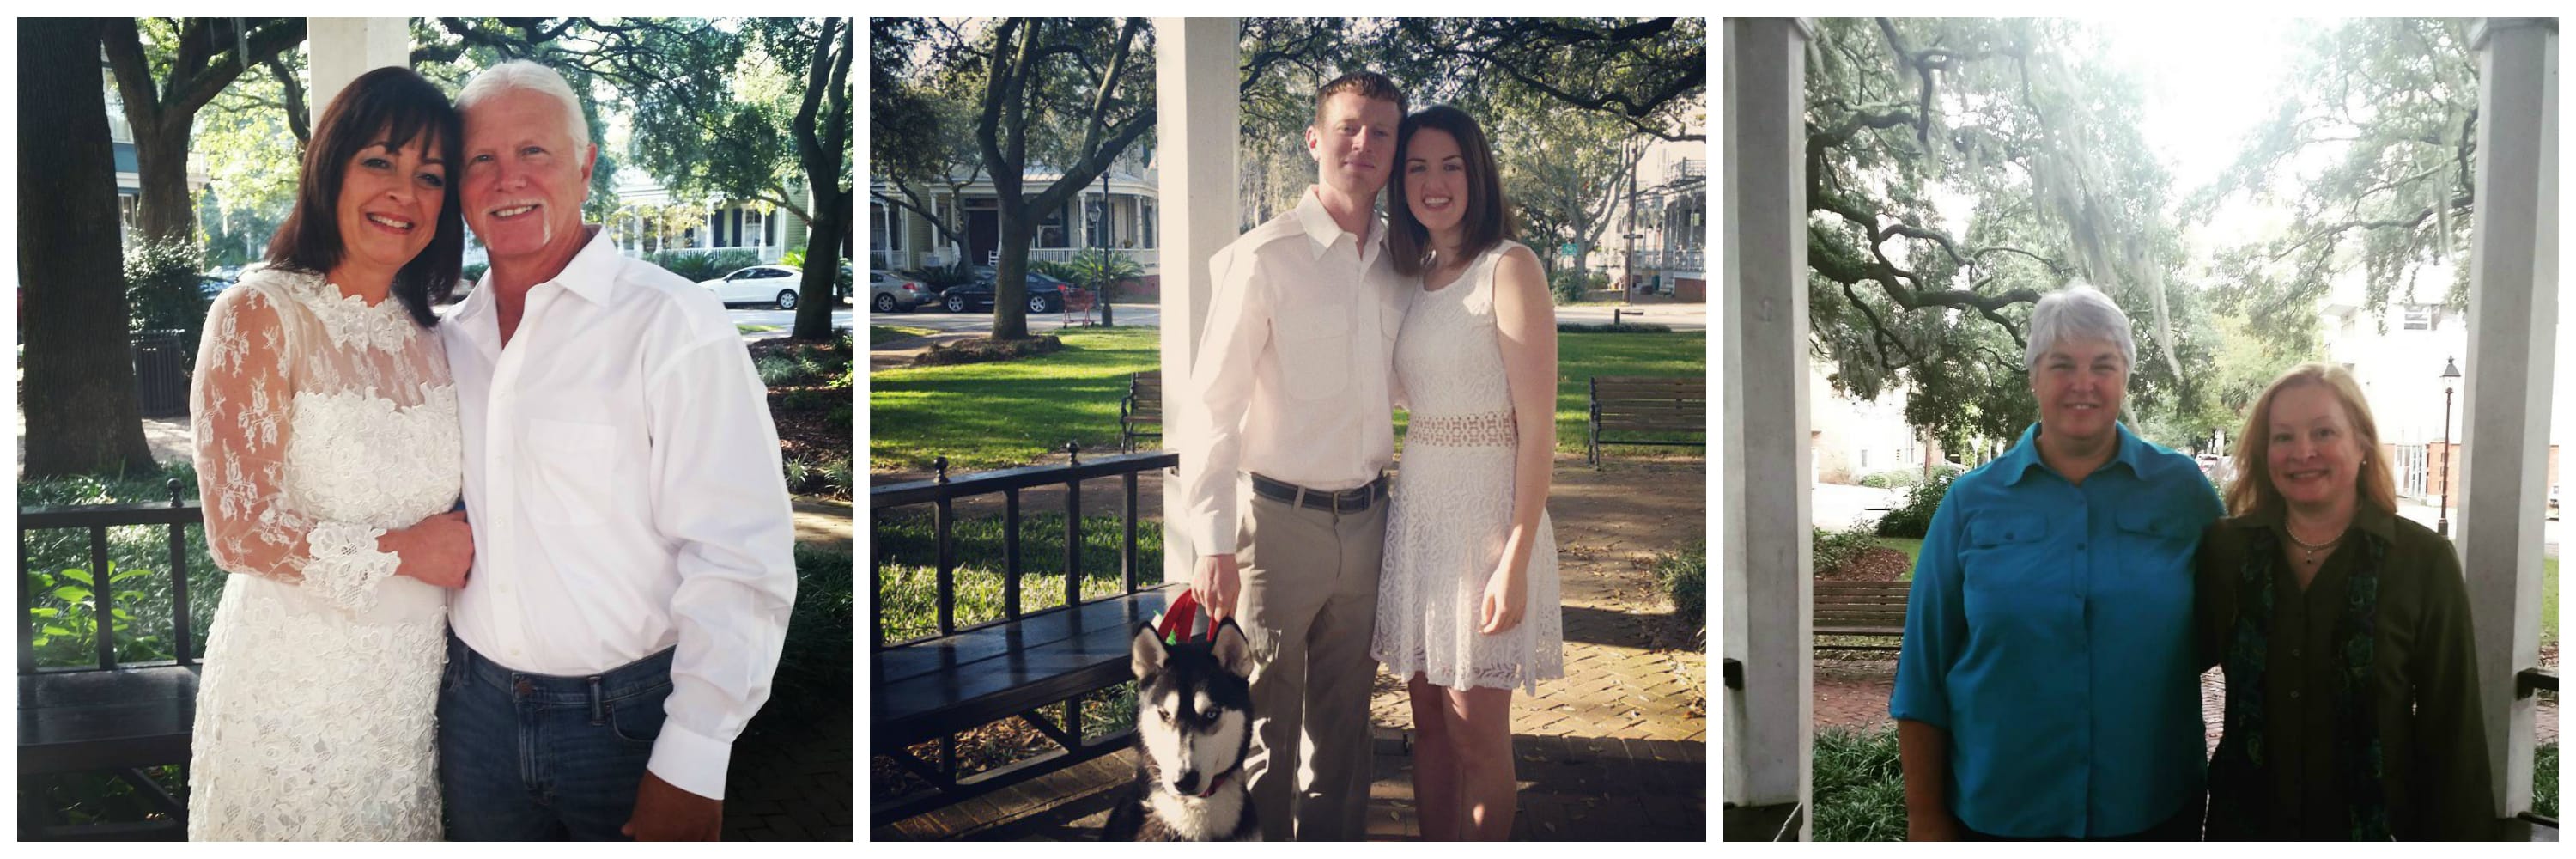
{"points": [[1119, 210], [1667, 214]]}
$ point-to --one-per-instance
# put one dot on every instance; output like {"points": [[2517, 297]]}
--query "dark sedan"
{"points": [[1045, 295]]}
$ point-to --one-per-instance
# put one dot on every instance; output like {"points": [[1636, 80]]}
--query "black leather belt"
{"points": [[1353, 500]]}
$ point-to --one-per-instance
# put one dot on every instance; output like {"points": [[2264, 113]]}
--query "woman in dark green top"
{"points": [[2352, 708]]}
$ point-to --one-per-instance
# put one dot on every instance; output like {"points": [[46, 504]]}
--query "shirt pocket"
{"points": [[1314, 350], [567, 478], [2006, 570]]}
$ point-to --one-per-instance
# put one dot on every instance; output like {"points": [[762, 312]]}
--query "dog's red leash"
{"points": [[1178, 620]]}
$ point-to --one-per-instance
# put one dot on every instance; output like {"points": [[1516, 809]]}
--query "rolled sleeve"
{"points": [[1221, 380], [1935, 625], [720, 498]]}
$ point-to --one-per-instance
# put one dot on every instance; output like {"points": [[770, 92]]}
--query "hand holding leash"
{"points": [[1216, 584]]}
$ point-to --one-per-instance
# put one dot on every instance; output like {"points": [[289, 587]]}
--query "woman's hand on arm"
{"points": [[1525, 327], [438, 550]]}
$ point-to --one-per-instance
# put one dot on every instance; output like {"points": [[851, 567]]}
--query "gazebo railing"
{"points": [[177, 515], [941, 493]]}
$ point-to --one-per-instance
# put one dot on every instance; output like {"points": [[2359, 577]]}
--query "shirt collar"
{"points": [[1323, 233], [592, 274], [2024, 455]]}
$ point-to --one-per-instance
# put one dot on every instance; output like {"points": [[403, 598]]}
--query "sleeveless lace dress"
{"points": [[321, 423], [1453, 504]]}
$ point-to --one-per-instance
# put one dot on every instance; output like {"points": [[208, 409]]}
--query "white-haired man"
{"points": [[632, 572]]}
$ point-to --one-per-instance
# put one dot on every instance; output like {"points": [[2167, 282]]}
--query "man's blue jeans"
{"points": [[536, 757]]}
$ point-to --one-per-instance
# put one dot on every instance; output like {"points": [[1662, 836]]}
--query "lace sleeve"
{"points": [[242, 404]]}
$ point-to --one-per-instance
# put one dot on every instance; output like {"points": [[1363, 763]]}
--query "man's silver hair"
{"points": [[2078, 312], [532, 76]]}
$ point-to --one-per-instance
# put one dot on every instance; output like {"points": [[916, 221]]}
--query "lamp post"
{"points": [[2450, 375]]}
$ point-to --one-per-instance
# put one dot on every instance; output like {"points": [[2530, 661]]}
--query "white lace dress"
{"points": [[321, 423], [1453, 505]]}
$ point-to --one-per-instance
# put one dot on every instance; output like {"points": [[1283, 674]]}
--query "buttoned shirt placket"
{"points": [[501, 453]]}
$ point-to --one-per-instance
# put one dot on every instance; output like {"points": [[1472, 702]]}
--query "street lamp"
{"points": [[2450, 375]]}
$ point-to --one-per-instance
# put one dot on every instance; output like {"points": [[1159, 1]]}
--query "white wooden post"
{"points": [[1197, 118], [2513, 334], [1763, 447], [344, 48]]}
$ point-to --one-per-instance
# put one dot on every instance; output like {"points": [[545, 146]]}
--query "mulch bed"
{"points": [[1878, 564], [979, 349], [813, 418]]}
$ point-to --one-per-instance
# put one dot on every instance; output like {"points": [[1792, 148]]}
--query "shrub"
{"points": [[703, 266], [162, 294], [1619, 328], [1683, 576], [1915, 518], [1835, 550], [1570, 284], [1859, 786], [943, 276], [1063, 271]]}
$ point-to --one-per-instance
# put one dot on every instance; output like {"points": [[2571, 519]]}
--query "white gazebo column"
{"points": [[1763, 526], [344, 48], [2513, 333], [1197, 118]]}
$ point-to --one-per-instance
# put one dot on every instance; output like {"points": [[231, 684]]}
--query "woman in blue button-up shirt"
{"points": [[2046, 688]]}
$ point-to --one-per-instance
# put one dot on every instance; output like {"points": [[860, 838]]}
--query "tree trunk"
{"points": [[78, 384], [1010, 275], [164, 213]]}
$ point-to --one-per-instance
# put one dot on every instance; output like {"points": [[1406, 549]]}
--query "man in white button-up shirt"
{"points": [[1287, 502], [632, 572]]}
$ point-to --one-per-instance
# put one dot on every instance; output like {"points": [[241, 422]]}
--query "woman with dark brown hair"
{"points": [[1467, 599], [329, 457], [2352, 709]]}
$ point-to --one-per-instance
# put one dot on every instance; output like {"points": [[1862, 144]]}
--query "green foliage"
{"points": [[1859, 785], [815, 671], [709, 265], [1835, 549], [161, 291], [1915, 518], [1097, 269], [2544, 780], [1057, 269], [1900, 478], [1569, 284], [1682, 576], [940, 277]]}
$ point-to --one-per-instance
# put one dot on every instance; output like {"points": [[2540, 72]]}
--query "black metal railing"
{"points": [[177, 515], [941, 493]]}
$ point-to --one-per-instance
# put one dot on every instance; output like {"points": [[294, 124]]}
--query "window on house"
{"points": [[1051, 232]]}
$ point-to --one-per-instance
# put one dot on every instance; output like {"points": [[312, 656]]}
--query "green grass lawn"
{"points": [[879, 335], [1012, 413], [747, 328], [1913, 550]]}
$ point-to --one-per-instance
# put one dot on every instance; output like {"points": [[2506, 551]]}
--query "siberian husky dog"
{"points": [[1193, 730]]}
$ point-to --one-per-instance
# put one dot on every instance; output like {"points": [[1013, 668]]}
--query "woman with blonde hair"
{"points": [[2352, 708]]}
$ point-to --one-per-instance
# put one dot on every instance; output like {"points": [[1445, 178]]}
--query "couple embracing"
{"points": [[1324, 320], [518, 574]]}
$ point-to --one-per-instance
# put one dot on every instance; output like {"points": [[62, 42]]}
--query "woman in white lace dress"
{"points": [[328, 459], [1467, 603]]}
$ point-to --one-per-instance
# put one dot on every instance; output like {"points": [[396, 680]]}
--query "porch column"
{"points": [[1763, 443], [1197, 117], [344, 48], [2513, 340]]}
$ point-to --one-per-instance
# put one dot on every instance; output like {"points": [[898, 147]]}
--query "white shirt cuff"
{"points": [[690, 761]]}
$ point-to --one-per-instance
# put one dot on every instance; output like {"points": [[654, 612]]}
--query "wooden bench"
{"points": [[929, 689], [1860, 609], [1141, 414], [1649, 410]]}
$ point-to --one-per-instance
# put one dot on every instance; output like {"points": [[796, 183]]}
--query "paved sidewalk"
{"points": [[1616, 750]]}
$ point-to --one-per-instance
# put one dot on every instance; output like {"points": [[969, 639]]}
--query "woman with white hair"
{"points": [[2048, 684]]}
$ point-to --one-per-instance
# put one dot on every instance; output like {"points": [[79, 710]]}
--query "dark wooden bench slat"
{"points": [[982, 675], [73, 721]]}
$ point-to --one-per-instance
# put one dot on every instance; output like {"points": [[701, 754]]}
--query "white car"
{"points": [[761, 284]]}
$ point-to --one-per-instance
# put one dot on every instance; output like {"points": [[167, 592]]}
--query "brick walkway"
{"points": [[795, 785], [1616, 750]]}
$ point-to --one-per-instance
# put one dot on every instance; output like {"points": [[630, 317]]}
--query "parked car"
{"points": [[761, 284], [1045, 294], [891, 294]]}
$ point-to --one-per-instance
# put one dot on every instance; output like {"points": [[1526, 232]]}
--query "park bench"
{"points": [[960, 678], [1648, 410], [1140, 414], [1860, 609], [114, 717]]}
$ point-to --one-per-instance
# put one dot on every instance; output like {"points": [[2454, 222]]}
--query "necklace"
{"points": [[2310, 548]]}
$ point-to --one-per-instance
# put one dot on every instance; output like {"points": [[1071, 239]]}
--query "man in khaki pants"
{"points": [[1288, 491]]}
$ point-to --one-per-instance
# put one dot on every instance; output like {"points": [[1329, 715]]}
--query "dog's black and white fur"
{"points": [[1193, 730]]}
